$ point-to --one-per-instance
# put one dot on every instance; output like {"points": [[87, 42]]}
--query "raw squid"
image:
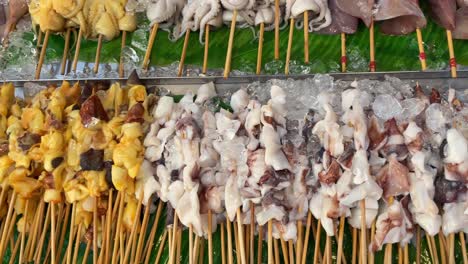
{"points": [[461, 20], [443, 12], [341, 23], [399, 17], [357, 8]]}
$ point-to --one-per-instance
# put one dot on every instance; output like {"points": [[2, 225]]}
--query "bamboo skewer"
{"points": [[363, 231], [98, 55], [288, 51], [223, 253], [236, 241], [207, 44], [340, 240], [77, 50], [276, 259], [442, 247], [86, 253], [422, 54], [227, 66], [63, 231], [39, 39], [152, 37], [77, 243], [317, 242], [15, 251], [43, 234], [196, 248], [42, 55], [122, 46], [161, 247], [306, 39], [52, 231], [260, 244], [270, 242], [372, 66], [143, 228], [241, 236], [191, 241], [252, 233], [32, 240], [118, 228], [260, 48], [306, 238], [133, 231], [7, 223], [149, 245], [95, 219], [184, 53], [429, 245], [453, 62], [451, 240], [173, 246], [210, 238], [65, 51], [463, 246], [23, 234], [108, 226], [291, 252], [372, 234], [179, 241], [202, 251], [354, 250], [284, 248], [299, 238], [277, 29], [343, 52], [418, 245]]}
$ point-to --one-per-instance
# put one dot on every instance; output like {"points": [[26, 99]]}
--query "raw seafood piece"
{"points": [[399, 17], [358, 8], [443, 12]]}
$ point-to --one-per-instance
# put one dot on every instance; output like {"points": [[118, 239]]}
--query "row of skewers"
{"points": [[94, 161], [106, 19]]}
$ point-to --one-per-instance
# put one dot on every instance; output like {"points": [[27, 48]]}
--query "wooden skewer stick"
{"points": [[372, 47], [260, 244], [14, 251], [288, 51], [317, 242], [7, 223], [196, 248], [23, 234], [453, 63], [434, 249], [133, 231], [38, 251], [77, 50], [227, 66], [284, 248], [354, 250], [63, 231], [202, 251], [141, 239], [77, 243], [98, 54], [371, 254], [118, 229], [422, 54], [291, 252], [236, 241], [42, 55], [306, 38], [32, 240], [451, 240], [418, 245], [252, 232], [172, 256], [306, 237], [429, 246], [463, 246], [241, 236], [10, 231], [400, 255], [277, 29], [52, 230], [276, 259], [207, 44], [363, 231], [65, 51], [260, 48], [299, 238], [343, 52], [122, 46], [95, 230], [153, 231], [405, 254], [169, 249], [270, 242], [223, 248], [442, 247], [108, 226], [340, 240], [184, 53], [86, 253], [328, 249], [161, 247], [191, 241], [179, 242], [39, 38], [210, 238], [152, 37]]}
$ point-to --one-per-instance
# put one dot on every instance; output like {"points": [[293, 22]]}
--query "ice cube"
{"points": [[437, 116], [411, 108], [386, 107]]}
